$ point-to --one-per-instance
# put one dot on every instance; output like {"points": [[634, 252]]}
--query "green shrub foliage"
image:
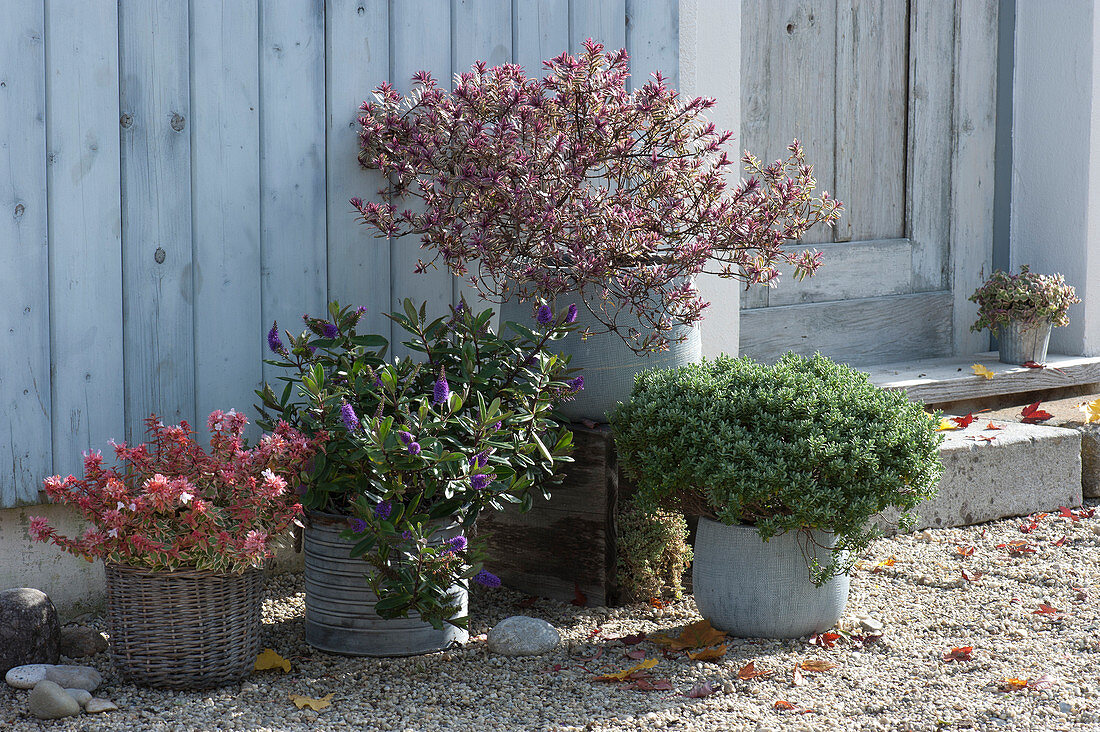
{"points": [[652, 552], [806, 443]]}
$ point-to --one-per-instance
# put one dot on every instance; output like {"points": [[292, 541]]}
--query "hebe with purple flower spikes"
{"points": [[538, 187]]}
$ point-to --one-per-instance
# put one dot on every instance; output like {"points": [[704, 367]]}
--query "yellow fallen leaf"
{"points": [[1091, 410], [315, 704], [270, 659], [624, 675], [980, 370], [1012, 684], [708, 654], [816, 665], [696, 635], [946, 424]]}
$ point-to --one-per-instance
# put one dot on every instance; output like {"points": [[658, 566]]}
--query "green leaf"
{"points": [[542, 448]]}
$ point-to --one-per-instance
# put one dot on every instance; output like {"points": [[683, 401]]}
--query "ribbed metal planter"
{"points": [[187, 629], [1022, 342], [606, 362], [340, 615], [755, 589]]}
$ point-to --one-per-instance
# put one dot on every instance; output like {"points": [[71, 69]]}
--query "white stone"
{"points": [[25, 677], [521, 635], [47, 700], [96, 705]]}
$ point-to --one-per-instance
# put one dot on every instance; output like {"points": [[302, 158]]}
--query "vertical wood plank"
{"points": [[292, 165], [653, 40], [540, 32], [481, 30], [420, 33], [156, 204], [357, 61], [928, 197], [24, 317], [975, 123], [225, 158], [788, 86], [84, 176], [601, 20], [872, 64]]}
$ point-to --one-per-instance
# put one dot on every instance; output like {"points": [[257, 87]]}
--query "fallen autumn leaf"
{"points": [[315, 704], [269, 659]]}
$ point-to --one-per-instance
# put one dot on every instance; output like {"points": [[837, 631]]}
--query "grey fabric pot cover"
{"points": [[755, 589]]}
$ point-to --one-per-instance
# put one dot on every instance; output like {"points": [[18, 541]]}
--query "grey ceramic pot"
{"points": [[755, 589]]}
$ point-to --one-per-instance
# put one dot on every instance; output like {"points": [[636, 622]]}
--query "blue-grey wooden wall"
{"points": [[174, 176]]}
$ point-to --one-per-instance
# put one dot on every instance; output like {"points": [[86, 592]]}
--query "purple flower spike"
{"points": [[273, 340], [358, 525], [571, 314], [544, 315], [441, 392], [480, 481], [497, 426], [485, 578], [330, 331], [405, 437], [414, 448], [576, 384], [383, 510], [457, 544], [347, 413], [480, 460]]}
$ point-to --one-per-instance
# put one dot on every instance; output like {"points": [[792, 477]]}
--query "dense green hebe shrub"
{"points": [[806, 443]]}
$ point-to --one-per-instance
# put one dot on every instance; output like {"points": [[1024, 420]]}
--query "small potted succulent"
{"points": [[183, 533], [570, 188], [1021, 309], [786, 465], [414, 450]]}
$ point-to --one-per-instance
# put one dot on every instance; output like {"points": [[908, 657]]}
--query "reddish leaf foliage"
{"points": [[971, 576], [960, 653], [1033, 365], [657, 602], [1031, 414], [965, 550], [650, 685], [527, 602], [1050, 611], [1018, 548], [636, 655], [963, 422], [749, 671], [632, 640], [992, 426], [1061, 541], [825, 640]]}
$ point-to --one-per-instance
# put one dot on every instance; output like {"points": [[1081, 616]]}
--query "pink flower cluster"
{"points": [[174, 505], [544, 187]]}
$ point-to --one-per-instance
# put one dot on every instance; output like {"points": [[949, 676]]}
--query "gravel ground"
{"points": [[899, 681]]}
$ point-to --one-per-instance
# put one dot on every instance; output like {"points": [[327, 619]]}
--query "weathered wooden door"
{"points": [[895, 112]]}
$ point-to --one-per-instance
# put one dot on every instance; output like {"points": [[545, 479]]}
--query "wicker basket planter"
{"points": [[187, 629]]}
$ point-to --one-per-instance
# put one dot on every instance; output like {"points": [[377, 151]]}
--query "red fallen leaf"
{"points": [[960, 653], [1033, 365], [1018, 548], [783, 704], [1085, 512], [631, 640], [991, 426], [1061, 541], [598, 630], [657, 602], [749, 671], [1031, 414], [859, 641], [965, 550], [700, 690], [825, 640], [963, 422], [579, 598], [1049, 610], [1030, 526], [971, 576], [636, 655], [1065, 512], [527, 602]]}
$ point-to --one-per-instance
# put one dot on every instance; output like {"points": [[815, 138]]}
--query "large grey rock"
{"points": [[1025, 469], [79, 641], [521, 635], [49, 701], [29, 630], [75, 677], [25, 677]]}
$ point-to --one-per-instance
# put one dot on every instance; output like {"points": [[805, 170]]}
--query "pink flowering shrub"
{"points": [[544, 187], [172, 505]]}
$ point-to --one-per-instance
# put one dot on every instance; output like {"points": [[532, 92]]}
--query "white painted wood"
{"points": [[156, 204], [601, 20], [652, 40], [928, 171], [972, 165], [292, 164], [938, 380], [420, 33], [85, 196], [871, 96], [864, 331], [225, 159], [540, 32], [788, 81], [25, 317], [357, 52], [851, 270]]}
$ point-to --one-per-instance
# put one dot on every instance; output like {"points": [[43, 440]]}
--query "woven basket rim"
{"points": [[184, 571]]}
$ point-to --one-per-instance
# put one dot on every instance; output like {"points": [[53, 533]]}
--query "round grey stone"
{"points": [[29, 630], [99, 705], [82, 696], [80, 641], [49, 701], [25, 677], [75, 677], [521, 635]]}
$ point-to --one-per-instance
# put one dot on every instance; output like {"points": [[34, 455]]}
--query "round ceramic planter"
{"points": [[1023, 342], [605, 361], [340, 616], [756, 589]]}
